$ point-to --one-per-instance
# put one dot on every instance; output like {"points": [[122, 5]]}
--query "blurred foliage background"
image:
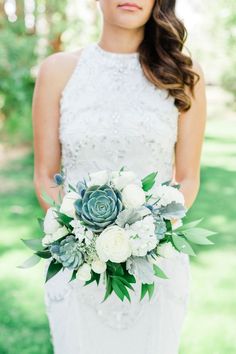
{"points": [[33, 29]]}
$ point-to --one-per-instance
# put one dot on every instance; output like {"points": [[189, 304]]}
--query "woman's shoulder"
{"points": [[56, 69]]}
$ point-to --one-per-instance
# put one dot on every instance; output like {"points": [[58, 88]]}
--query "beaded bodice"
{"points": [[112, 116]]}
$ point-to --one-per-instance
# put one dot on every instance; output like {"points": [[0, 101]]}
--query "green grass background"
{"points": [[210, 326]]}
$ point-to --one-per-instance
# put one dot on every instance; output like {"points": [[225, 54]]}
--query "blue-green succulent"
{"points": [[67, 252], [99, 207]]}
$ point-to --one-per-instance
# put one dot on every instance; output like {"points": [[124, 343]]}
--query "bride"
{"points": [[133, 99]]}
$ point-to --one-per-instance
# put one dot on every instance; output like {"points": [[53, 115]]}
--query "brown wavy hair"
{"points": [[161, 55]]}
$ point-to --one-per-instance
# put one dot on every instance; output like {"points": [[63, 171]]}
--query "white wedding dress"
{"points": [[112, 116]]}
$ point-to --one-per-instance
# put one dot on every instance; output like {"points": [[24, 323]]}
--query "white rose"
{"points": [[49, 238], [98, 178], [133, 196], [84, 272], [113, 244], [62, 231], [67, 206], [50, 223], [166, 194], [166, 250], [123, 178], [98, 266]]}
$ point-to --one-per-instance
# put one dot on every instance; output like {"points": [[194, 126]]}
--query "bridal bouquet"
{"points": [[117, 226]]}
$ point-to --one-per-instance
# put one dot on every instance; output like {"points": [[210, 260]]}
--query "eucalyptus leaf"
{"points": [[34, 244], [199, 236], [30, 262], [141, 268], [182, 245], [190, 224], [173, 210], [127, 216]]}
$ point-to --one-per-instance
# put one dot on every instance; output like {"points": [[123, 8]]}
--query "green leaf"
{"points": [[60, 197], [72, 188], [167, 183], [200, 231], [149, 181], [53, 269], [144, 290], [40, 221], [123, 280], [199, 236], [44, 254], [63, 218], [117, 290], [190, 224], [118, 283], [108, 288], [73, 276], [124, 290], [151, 288], [115, 268], [47, 199], [30, 262], [159, 272], [34, 244], [182, 245], [130, 278], [94, 277]]}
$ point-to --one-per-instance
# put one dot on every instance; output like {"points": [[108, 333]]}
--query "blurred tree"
{"points": [[31, 30], [228, 78]]}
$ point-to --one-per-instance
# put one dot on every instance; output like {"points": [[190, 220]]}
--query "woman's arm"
{"points": [[53, 75], [191, 128]]}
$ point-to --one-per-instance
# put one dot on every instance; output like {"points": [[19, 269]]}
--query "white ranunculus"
{"points": [[84, 272], [98, 266], [49, 238], [98, 178], [166, 250], [133, 196], [166, 194], [121, 179], [67, 206], [113, 244], [50, 223]]}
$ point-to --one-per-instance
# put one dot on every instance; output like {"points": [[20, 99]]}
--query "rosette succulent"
{"points": [[99, 207], [67, 253]]}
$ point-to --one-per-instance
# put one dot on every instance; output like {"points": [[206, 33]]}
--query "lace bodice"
{"points": [[112, 116]]}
